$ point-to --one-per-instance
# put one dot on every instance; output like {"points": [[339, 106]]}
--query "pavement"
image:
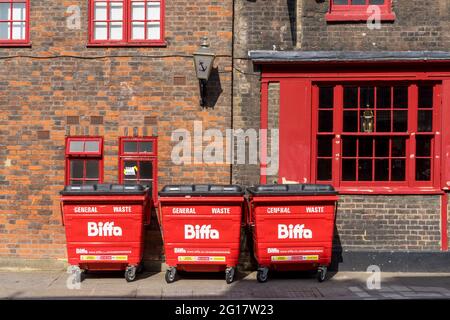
{"points": [[340, 286]]}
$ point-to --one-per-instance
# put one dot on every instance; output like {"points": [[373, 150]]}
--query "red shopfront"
{"points": [[367, 123]]}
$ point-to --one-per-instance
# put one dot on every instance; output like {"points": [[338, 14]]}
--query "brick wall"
{"points": [[397, 223], [60, 86], [419, 25]]}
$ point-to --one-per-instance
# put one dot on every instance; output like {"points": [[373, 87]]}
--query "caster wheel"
{"points": [[130, 274], [322, 274], [229, 275], [262, 275], [171, 275]]}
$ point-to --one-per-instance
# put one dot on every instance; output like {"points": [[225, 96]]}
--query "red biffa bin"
{"points": [[105, 226], [293, 227], [201, 227]]}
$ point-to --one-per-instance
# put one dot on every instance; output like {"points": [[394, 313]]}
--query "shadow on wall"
{"points": [[214, 89], [292, 9]]}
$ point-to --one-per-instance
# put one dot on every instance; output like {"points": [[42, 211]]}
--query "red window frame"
{"points": [[83, 156], [411, 135], [18, 42], [140, 156], [349, 12], [126, 25]]}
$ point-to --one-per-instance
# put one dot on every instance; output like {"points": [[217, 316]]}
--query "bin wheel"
{"points": [[322, 274], [171, 275], [130, 273], [229, 275], [262, 275]]}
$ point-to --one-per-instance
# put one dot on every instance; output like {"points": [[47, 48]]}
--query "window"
{"points": [[14, 22], [84, 160], [126, 22], [376, 134], [359, 10], [138, 162]]}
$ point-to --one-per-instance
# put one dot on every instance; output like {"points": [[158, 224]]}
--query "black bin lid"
{"points": [[201, 190], [104, 189], [292, 190]]}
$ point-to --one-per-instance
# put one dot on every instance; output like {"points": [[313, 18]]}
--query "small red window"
{"points": [[138, 162], [359, 10], [14, 22], [126, 22], [84, 160]]}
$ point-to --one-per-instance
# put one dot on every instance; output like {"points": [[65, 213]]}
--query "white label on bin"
{"points": [[315, 209], [279, 210], [295, 258], [101, 229], [294, 232], [122, 209], [183, 210], [201, 259], [220, 210], [204, 232], [85, 210]]}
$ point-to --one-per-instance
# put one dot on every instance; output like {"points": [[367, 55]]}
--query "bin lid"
{"points": [[201, 190], [292, 190], [104, 189]]}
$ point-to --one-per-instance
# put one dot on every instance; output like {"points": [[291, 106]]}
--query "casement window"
{"points": [[126, 22], [377, 134], [84, 160], [14, 22], [138, 162], [360, 10]]}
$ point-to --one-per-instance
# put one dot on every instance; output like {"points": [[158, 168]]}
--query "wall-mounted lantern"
{"points": [[203, 60], [367, 121]]}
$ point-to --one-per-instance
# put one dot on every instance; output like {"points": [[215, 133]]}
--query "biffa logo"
{"points": [[204, 232], [101, 229], [294, 232]]}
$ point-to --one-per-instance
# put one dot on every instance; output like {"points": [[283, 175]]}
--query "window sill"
{"points": [[357, 17], [15, 45], [128, 44], [389, 190]]}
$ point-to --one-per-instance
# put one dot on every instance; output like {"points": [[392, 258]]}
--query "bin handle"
{"points": [[62, 214], [248, 213]]}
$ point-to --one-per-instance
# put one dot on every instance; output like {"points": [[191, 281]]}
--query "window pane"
{"points": [[100, 11], [92, 146], [19, 11], [398, 170], [153, 31], [326, 97], [376, 2], [398, 147], [365, 148], [146, 170], [76, 146], [384, 97], [138, 31], [146, 146], [130, 146], [423, 146], [383, 121], [92, 169], [18, 31], [91, 182], [365, 170], [325, 121], [4, 30], [100, 31], [348, 170], [130, 169], [76, 169], [340, 2], [423, 169], [116, 31], [401, 97], [325, 146], [425, 121], [367, 97], [351, 97], [5, 11], [76, 182], [358, 2], [350, 121], [324, 169], [138, 10], [382, 147], [382, 170], [153, 11], [425, 97], [349, 147], [400, 121], [116, 11]]}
